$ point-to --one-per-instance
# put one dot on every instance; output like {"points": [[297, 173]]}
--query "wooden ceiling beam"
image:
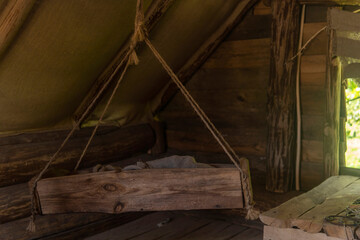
{"points": [[208, 47], [153, 15], [331, 2], [12, 18]]}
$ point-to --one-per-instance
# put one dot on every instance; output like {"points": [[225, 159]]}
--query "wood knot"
{"points": [[110, 187], [118, 207]]}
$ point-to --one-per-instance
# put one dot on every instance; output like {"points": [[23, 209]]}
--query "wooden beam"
{"points": [[15, 200], [330, 2], [283, 215], [24, 155], [142, 190], [291, 233], [200, 56], [332, 113], [154, 13], [281, 96], [12, 18]]}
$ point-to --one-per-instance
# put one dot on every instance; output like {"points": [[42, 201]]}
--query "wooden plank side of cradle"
{"points": [[312, 221], [274, 233], [283, 215], [142, 190]]}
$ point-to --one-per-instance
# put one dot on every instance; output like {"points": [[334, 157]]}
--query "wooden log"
{"points": [[61, 226], [208, 47], [281, 96], [142, 190], [20, 162], [153, 15], [252, 27], [14, 202], [15, 199], [93, 228], [12, 18]]}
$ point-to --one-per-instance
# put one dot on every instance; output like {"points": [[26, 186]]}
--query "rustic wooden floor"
{"points": [[183, 225]]}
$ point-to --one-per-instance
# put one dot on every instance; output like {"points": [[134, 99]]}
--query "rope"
{"points": [[252, 214], [300, 52], [140, 34], [131, 58]]}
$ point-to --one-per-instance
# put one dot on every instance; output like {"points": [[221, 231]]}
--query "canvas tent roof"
{"points": [[63, 46]]}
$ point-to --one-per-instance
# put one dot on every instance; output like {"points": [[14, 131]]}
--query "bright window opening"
{"points": [[353, 123]]}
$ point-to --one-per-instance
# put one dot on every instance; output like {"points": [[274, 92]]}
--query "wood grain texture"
{"points": [[281, 96], [12, 18], [208, 47], [14, 202], [20, 162], [142, 190], [318, 45], [15, 199], [312, 221], [252, 53], [95, 227], [312, 174], [286, 215]]}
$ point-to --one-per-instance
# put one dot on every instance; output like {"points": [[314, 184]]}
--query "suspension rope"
{"points": [[131, 58], [140, 34]]}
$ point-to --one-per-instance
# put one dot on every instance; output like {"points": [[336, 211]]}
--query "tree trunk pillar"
{"points": [[281, 116]]}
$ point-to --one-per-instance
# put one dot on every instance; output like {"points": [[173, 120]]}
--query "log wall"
{"points": [[231, 88], [23, 156]]}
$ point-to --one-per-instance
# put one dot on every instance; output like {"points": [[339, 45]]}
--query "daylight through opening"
{"points": [[353, 123]]}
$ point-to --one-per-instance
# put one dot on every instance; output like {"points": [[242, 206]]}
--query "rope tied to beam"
{"points": [[140, 34]]}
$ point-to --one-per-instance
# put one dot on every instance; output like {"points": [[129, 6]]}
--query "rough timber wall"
{"points": [[231, 88]]}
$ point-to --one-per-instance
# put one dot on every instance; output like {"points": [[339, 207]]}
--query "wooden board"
{"points": [[24, 155], [142, 190], [285, 215], [312, 221], [273, 233]]}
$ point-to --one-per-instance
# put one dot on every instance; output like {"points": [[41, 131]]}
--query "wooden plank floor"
{"points": [[176, 225]]}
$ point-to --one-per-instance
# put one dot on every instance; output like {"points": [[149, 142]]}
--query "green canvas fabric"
{"points": [[65, 45]]}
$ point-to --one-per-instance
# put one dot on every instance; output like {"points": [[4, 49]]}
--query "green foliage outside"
{"points": [[353, 123]]}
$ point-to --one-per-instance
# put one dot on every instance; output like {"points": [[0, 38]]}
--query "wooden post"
{"points": [[281, 96], [332, 113]]}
